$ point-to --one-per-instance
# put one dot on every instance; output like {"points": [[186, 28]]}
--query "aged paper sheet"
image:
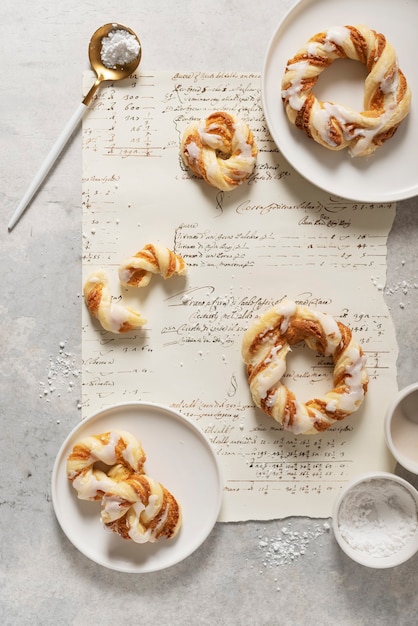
{"points": [[276, 236]]}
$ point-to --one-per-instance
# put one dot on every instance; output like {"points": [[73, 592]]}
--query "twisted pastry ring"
{"points": [[133, 505], [220, 149], [387, 96], [137, 270], [114, 448], [264, 349], [141, 509], [113, 316]]}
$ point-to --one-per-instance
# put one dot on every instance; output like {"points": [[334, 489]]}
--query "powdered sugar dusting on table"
{"points": [[287, 544], [62, 374]]}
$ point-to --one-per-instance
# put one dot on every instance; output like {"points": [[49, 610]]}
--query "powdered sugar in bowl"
{"points": [[375, 520]]}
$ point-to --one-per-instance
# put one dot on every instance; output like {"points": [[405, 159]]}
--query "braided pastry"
{"points": [[387, 96], [115, 448], [141, 509], [133, 505], [137, 270], [220, 149], [113, 316], [264, 349]]}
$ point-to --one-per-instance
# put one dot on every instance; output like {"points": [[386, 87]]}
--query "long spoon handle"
{"points": [[48, 163]]}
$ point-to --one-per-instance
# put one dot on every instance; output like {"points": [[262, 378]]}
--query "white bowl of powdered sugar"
{"points": [[375, 520]]}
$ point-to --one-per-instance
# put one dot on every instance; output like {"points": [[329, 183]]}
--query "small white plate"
{"points": [[391, 173], [178, 455]]}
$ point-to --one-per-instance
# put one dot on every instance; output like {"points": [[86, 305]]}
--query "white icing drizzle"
{"points": [[331, 330], [337, 35], [287, 308], [268, 363], [271, 375], [137, 530], [89, 483], [357, 130], [219, 149], [113, 508], [130, 454], [293, 92], [193, 151], [108, 452]]}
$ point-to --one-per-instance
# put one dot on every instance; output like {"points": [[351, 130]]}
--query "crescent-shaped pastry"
{"points": [[113, 316], [136, 271]]}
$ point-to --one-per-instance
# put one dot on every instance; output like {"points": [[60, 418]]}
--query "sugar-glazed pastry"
{"points": [[387, 96], [113, 316], [112, 449], [220, 149], [136, 271], [141, 509], [264, 348]]}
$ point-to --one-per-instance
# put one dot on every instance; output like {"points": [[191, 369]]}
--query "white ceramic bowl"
{"points": [[375, 520], [401, 428]]}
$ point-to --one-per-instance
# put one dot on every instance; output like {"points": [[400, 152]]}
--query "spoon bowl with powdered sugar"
{"points": [[114, 53]]}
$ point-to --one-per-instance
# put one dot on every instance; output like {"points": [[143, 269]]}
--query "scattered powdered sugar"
{"points": [[378, 517], [401, 290], [288, 545], [61, 375]]}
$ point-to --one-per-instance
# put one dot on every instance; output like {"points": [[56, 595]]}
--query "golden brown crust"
{"points": [[122, 485], [136, 271], [113, 316], [164, 520], [264, 349], [387, 96], [93, 299], [220, 149]]}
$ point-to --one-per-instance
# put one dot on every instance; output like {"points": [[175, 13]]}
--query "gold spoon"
{"points": [[103, 73]]}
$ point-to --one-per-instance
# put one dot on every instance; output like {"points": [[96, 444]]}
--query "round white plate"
{"points": [[178, 455], [391, 173]]}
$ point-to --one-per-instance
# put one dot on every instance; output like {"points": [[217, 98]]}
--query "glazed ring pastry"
{"points": [[220, 149], [111, 449], [141, 509], [264, 349], [113, 316], [137, 270], [387, 96]]}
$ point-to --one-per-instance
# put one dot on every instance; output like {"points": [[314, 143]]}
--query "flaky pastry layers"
{"points": [[264, 348], [141, 509], [220, 149], [114, 448], [137, 270], [109, 467], [387, 96], [113, 316]]}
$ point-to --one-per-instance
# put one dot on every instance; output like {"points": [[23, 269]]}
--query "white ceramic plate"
{"points": [[178, 455], [391, 173]]}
